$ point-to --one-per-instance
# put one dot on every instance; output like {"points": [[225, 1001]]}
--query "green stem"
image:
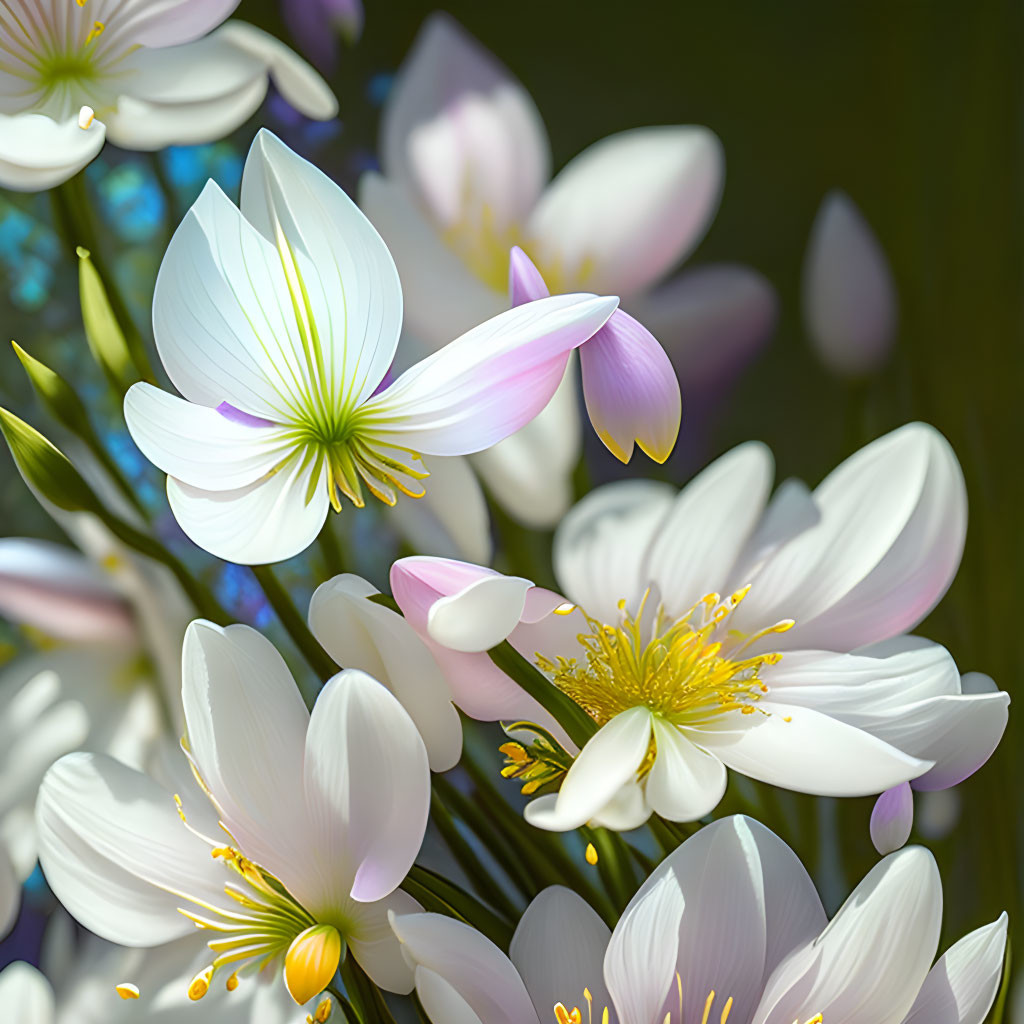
{"points": [[294, 623], [331, 550], [438, 894], [351, 1016], [363, 994], [613, 864]]}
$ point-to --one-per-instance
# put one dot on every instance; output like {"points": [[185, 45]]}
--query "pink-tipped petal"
{"points": [[631, 389], [892, 818], [524, 279]]}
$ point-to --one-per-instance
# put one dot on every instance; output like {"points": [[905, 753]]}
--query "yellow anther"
{"points": [[96, 31], [126, 990], [323, 1011], [86, 116], [232, 983], [591, 854], [565, 609], [564, 1016], [200, 984], [81, 3], [707, 1007], [725, 1012], [181, 809], [312, 961]]}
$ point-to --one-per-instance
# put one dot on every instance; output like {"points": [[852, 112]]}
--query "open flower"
{"points": [[144, 75], [727, 928], [466, 167], [278, 323], [715, 629], [311, 823]]}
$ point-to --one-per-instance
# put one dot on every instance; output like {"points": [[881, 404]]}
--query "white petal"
{"points": [[348, 273], [451, 520], [628, 208], [809, 752], [374, 944], [26, 997], [868, 965], [10, 896], [599, 546], [200, 446], [892, 818], [457, 124], [358, 633], [55, 589], [849, 300], [892, 527], [711, 320], [114, 849], [640, 964], [367, 785], [711, 521], [470, 963], [480, 615], [169, 22], [962, 986], [558, 949], [627, 810], [491, 381], [530, 472], [268, 521], [37, 153], [247, 726], [443, 297], [685, 782], [610, 758], [441, 1002]]}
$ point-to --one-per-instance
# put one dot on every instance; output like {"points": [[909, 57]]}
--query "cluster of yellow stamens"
{"points": [[688, 670]]}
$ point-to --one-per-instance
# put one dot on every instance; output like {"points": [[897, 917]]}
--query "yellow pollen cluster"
{"points": [[563, 1015], [687, 671]]}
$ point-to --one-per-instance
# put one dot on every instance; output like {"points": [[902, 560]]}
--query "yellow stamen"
{"points": [[312, 961], [322, 1013], [200, 984], [564, 1016], [232, 983], [707, 1007], [725, 1012], [591, 854], [126, 990], [96, 31]]}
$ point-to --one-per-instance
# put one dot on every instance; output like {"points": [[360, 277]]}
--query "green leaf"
{"points": [[46, 468], [56, 394], [105, 336]]}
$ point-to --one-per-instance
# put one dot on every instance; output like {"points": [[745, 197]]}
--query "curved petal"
{"points": [[558, 949], [868, 966], [962, 986], [358, 633], [470, 963], [631, 389], [809, 752], [485, 385], [26, 997], [37, 153], [628, 208], [241, 703], [849, 299], [170, 22], [892, 818], [367, 784], [627, 810], [525, 282], [115, 851], [610, 759], [685, 782], [441, 1002], [201, 446], [374, 944], [599, 546], [699, 540], [711, 320], [887, 545], [347, 272], [268, 521], [56, 589], [10, 897], [458, 129]]}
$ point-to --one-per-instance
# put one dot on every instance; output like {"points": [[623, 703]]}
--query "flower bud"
{"points": [[312, 961]]}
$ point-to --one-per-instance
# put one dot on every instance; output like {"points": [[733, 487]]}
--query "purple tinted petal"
{"points": [[631, 389], [347, 15], [892, 818], [236, 415], [308, 23], [524, 280]]}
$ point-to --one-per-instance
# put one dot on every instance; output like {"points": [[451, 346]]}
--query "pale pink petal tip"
{"points": [[246, 419], [525, 282], [631, 389], [892, 818]]}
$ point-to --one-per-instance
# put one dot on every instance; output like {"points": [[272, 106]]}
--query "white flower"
{"points": [[144, 75], [728, 928], [715, 629], [278, 323], [849, 299], [312, 822], [466, 168]]}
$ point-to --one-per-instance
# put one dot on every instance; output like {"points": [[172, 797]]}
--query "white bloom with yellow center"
{"points": [[278, 323], [709, 628], [309, 824], [728, 929], [143, 74]]}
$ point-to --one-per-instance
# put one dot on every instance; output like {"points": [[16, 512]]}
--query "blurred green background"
{"points": [[913, 108]]}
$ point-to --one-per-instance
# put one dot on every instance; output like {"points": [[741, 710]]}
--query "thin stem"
{"points": [[363, 994], [437, 893], [331, 550], [350, 1014]]}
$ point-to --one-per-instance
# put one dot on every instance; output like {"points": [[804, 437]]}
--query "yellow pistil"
{"points": [[312, 961], [126, 990], [688, 671]]}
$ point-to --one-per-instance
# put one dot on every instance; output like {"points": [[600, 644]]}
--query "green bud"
{"points": [[46, 468], [56, 394], [106, 339]]}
